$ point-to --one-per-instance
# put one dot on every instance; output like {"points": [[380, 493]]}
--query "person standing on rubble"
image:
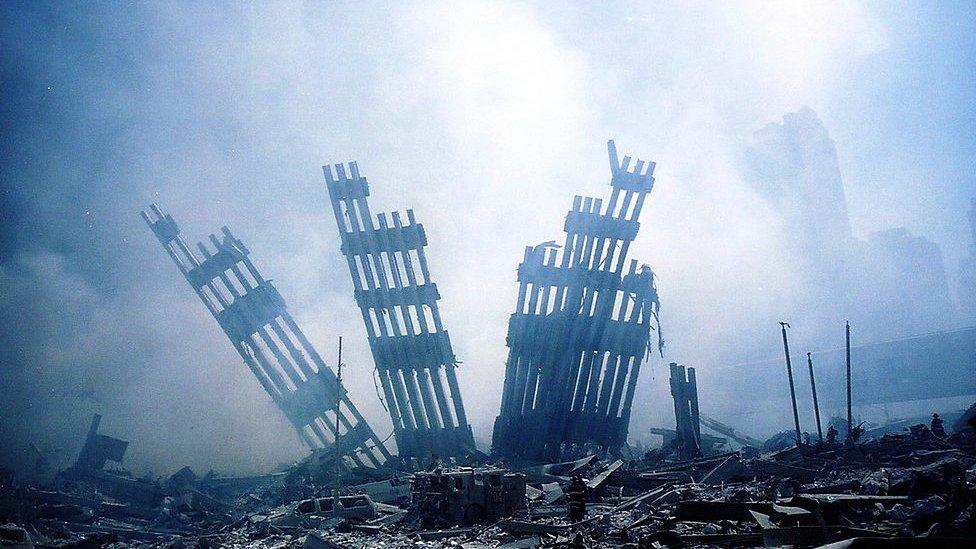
{"points": [[937, 426], [577, 498], [831, 435]]}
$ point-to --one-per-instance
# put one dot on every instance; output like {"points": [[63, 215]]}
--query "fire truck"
{"points": [[467, 495]]}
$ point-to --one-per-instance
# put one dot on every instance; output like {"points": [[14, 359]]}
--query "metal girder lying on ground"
{"points": [[581, 328], [398, 301], [253, 315]]}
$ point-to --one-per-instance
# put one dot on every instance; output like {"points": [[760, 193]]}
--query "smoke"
{"points": [[485, 118]]}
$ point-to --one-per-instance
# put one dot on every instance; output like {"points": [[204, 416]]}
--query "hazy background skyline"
{"points": [[485, 118]]}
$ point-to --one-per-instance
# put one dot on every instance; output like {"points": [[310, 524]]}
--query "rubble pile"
{"points": [[913, 484]]}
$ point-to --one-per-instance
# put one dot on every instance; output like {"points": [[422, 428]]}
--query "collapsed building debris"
{"points": [[684, 390], [98, 449], [398, 300], [581, 328], [734, 434], [708, 444], [91, 468], [253, 314], [883, 490], [347, 507]]}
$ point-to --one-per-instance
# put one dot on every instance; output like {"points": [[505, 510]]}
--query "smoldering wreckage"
{"points": [[560, 472]]}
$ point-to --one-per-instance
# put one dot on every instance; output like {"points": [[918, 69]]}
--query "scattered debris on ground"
{"points": [[913, 486]]}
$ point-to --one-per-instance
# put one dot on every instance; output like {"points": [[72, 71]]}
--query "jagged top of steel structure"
{"points": [[581, 326]]}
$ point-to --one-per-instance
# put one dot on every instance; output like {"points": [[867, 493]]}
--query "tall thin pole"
{"points": [[789, 372], [816, 406], [850, 417], [338, 456]]}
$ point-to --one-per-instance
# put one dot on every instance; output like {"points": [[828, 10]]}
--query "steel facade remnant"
{"points": [[684, 390], [398, 301], [98, 449], [581, 327], [253, 315]]}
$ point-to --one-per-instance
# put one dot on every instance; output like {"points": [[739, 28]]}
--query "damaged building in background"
{"points": [[581, 328], [253, 315], [891, 285], [398, 300]]}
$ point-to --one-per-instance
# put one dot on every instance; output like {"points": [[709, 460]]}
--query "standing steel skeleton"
{"points": [[253, 315], [398, 301], [581, 329]]}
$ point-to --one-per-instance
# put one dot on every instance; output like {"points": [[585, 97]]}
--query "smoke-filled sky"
{"points": [[485, 118]]}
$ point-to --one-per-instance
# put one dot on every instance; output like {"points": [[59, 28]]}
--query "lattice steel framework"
{"points": [[398, 301], [581, 328], [253, 315]]}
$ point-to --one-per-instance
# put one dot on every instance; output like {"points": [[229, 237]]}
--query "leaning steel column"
{"points": [[789, 373], [254, 317], [411, 348], [816, 405]]}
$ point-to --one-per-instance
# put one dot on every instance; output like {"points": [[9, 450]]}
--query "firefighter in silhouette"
{"points": [[831, 435], [577, 498], [937, 426]]}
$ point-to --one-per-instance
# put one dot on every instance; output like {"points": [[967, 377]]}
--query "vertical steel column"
{"points": [[693, 402], [789, 373], [618, 385], [847, 348], [510, 388], [680, 404]]}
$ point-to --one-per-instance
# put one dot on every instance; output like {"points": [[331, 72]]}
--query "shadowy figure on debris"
{"points": [[831, 435], [577, 498], [937, 426], [855, 434]]}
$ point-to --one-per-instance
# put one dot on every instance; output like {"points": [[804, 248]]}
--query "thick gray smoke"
{"points": [[484, 118]]}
